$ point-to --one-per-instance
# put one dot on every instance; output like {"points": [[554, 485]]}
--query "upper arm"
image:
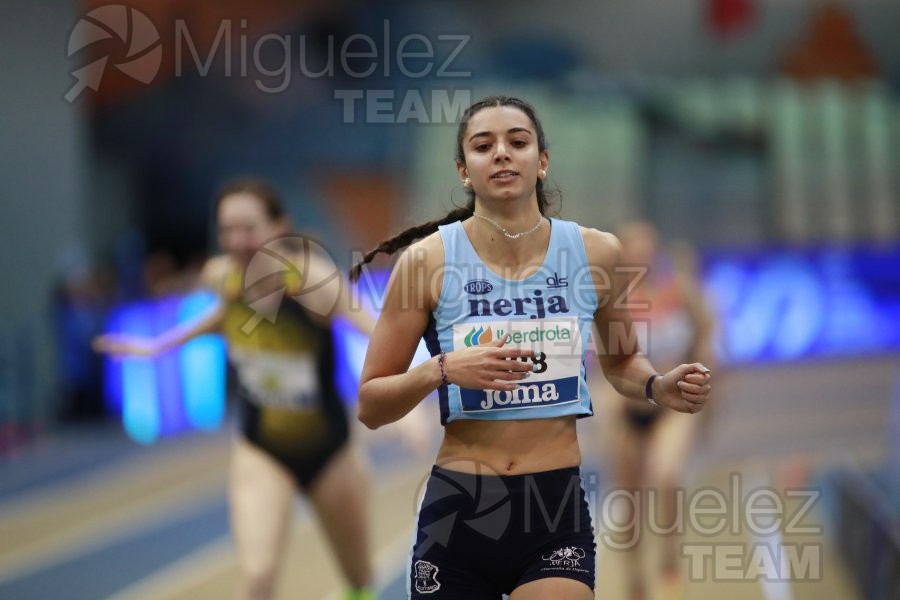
{"points": [[411, 295], [212, 275], [322, 290], [613, 320], [330, 294]]}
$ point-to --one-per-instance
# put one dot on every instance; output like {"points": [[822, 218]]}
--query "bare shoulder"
{"points": [[213, 272], [429, 249], [420, 266], [603, 248], [316, 265]]}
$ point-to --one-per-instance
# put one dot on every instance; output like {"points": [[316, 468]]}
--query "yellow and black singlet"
{"points": [[285, 365]]}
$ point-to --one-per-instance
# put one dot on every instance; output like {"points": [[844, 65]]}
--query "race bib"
{"points": [[278, 380], [555, 379]]}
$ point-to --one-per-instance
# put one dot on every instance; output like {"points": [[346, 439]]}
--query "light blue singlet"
{"points": [[550, 311]]}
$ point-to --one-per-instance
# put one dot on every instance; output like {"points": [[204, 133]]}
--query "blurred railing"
{"points": [[869, 533], [758, 161], [20, 376]]}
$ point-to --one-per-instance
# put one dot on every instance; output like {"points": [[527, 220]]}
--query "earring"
{"points": [[467, 182], [542, 173]]}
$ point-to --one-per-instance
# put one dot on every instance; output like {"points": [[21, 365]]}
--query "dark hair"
{"points": [[258, 188], [412, 234]]}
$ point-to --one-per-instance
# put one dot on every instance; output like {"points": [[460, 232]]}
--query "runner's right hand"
{"points": [[488, 366]]}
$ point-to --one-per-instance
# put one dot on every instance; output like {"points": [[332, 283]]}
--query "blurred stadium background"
{"points": [[765, 133]]}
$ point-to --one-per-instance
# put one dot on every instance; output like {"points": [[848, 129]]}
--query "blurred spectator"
{"points": [[162, 276], [82, 298]]}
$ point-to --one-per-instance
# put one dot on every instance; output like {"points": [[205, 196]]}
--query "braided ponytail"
{"points": [[412, 234], [409, 236]]}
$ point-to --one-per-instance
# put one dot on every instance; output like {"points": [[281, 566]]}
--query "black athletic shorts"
{"points": [[642, 421], [481, 536], [303, 442]]}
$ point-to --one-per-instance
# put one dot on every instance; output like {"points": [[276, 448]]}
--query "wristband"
{"points": [[443, 372], [648, 389]]}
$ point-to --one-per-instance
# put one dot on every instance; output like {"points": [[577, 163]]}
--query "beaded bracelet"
{"points": [[443, 372]]}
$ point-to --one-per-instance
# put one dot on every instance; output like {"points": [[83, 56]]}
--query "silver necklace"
{"points": [[512, 236]]}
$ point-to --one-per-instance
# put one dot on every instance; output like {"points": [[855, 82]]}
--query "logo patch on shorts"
{"points": [[426, 577], [566, 557]]}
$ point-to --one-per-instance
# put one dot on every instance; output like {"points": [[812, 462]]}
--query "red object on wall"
{"points": [[728, 18]]}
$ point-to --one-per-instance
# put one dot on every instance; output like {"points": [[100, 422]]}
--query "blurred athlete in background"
{"points": [[294, 430], [650, 445]]}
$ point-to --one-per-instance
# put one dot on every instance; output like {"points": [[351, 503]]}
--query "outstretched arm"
{"points": [[143, 346]]}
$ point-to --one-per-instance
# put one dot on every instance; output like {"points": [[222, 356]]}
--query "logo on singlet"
{"points": [[555, 281], [507, 307], [478, 286], [478, 336], [481, 335], [426, 577], [523, 394]]}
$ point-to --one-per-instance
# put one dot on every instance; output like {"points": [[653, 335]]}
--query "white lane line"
{"points": [[201, 565]]}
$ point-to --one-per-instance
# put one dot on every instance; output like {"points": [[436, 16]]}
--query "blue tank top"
{"points": [[550, 312]]}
